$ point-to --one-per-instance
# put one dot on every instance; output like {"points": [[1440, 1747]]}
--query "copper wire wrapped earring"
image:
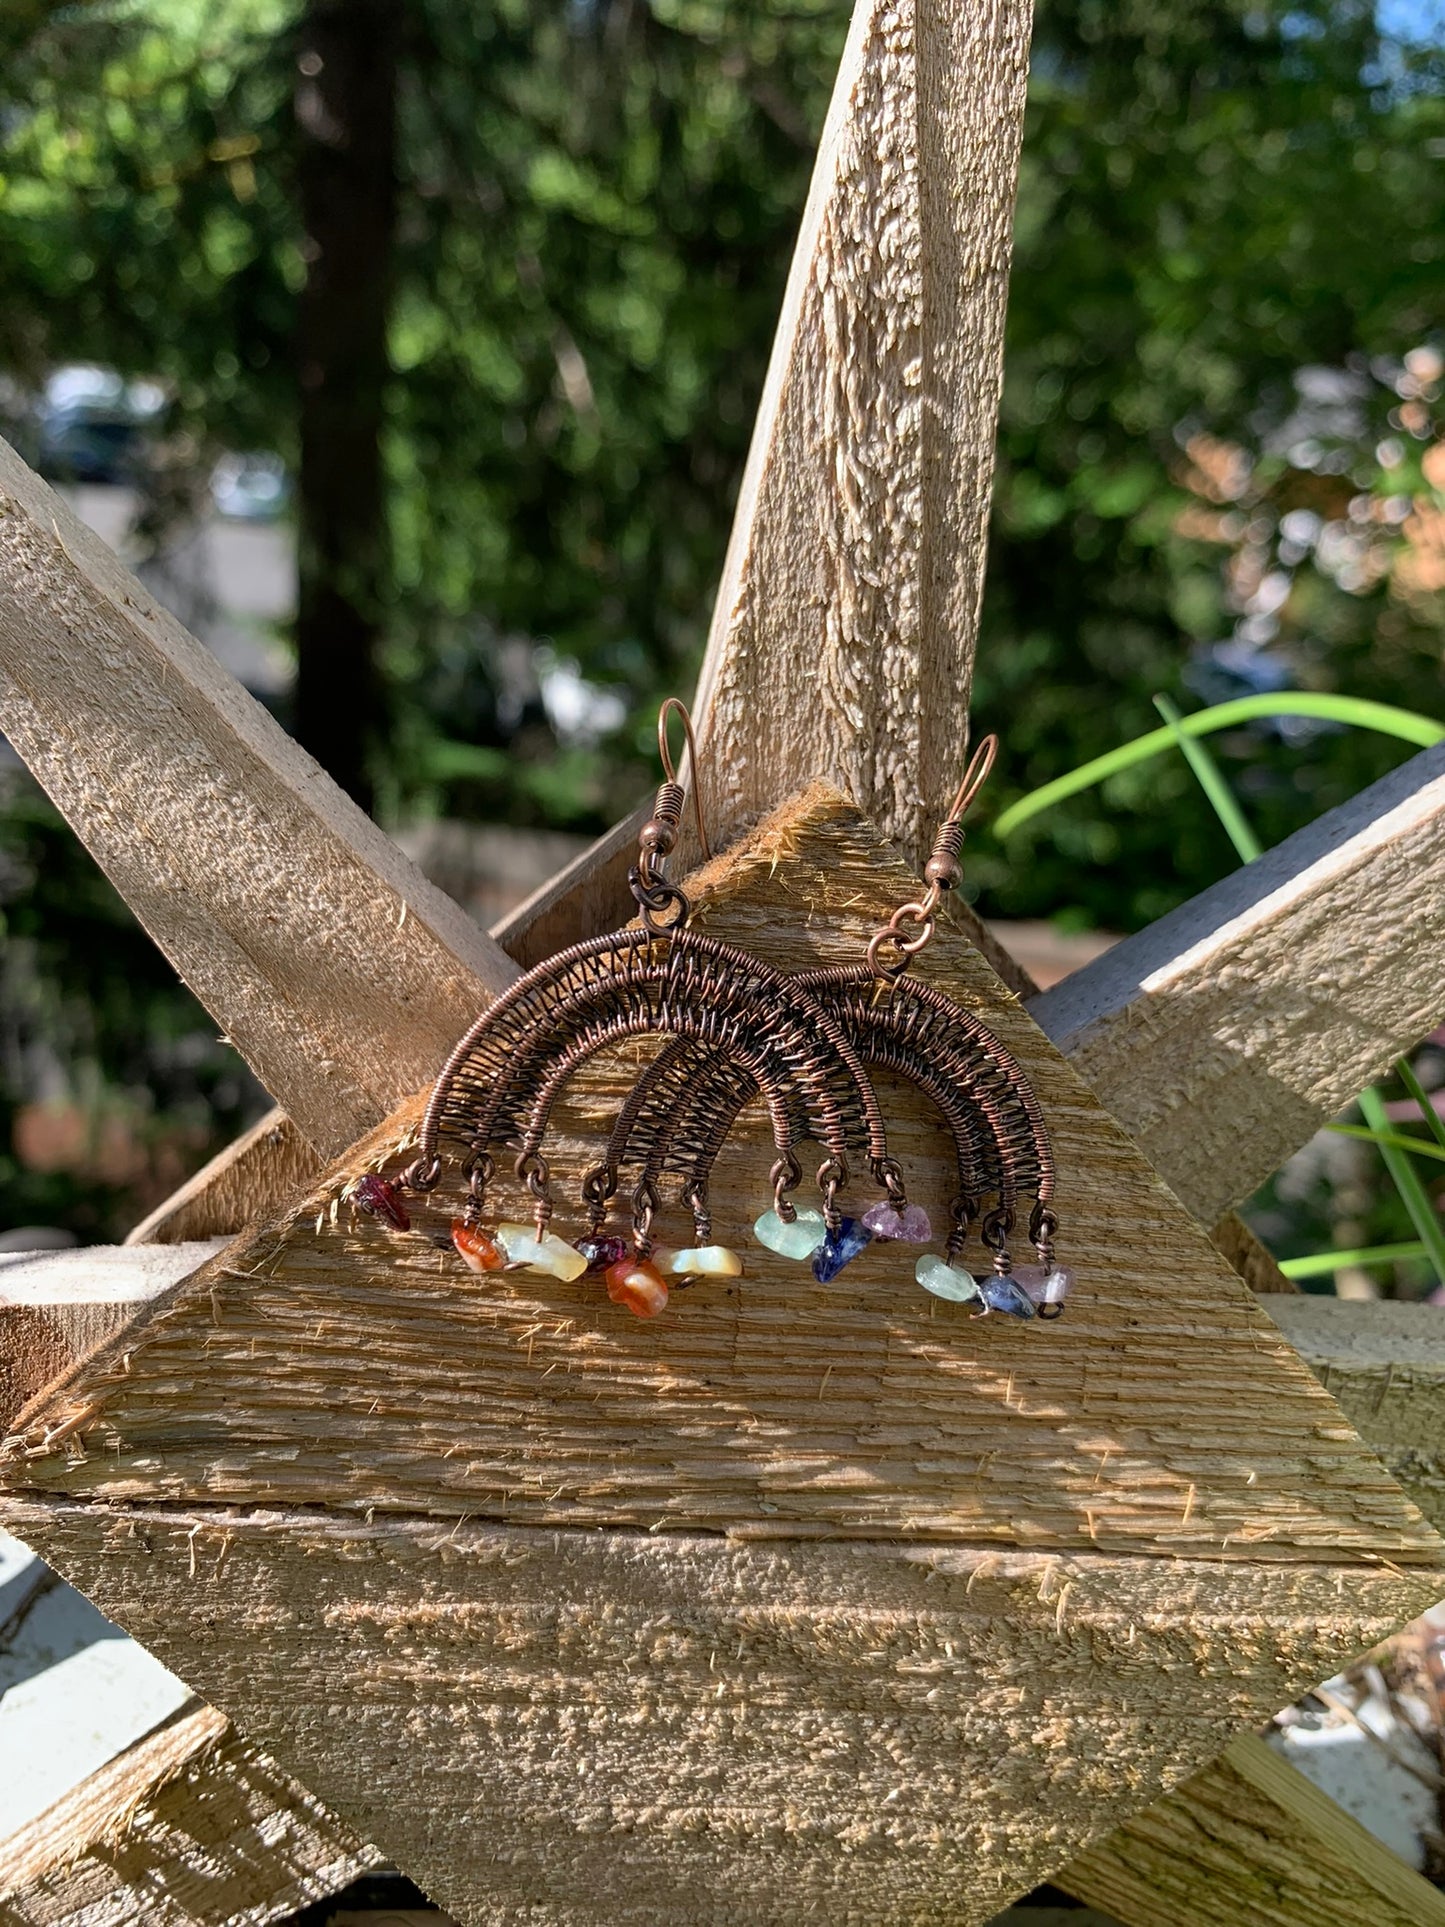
{"points": [[1004, 1157], [736, 1029], [500, 1084]]}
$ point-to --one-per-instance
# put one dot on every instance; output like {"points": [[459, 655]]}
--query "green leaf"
{"points": [[1211, 780], [1432, 1117], [1399, 1140], [1386, 720], [1423, 1214], [1320, 1263]]}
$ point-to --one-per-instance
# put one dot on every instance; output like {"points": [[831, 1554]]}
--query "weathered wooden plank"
{"points": [[1249, 1839], [338, 971], [571, 1725], [1382, 1362], [56, 1305], [241, 1185], [842, 640], [344, 1365], [190, 1827], [1247, 1256], [1384, 1365], [1227, 1033]]}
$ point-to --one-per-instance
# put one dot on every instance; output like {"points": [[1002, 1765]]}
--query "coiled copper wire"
{"points": [[499, 1083]]}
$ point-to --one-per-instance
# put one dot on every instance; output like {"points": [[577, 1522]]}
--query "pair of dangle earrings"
{"points": [[736, 1029]]}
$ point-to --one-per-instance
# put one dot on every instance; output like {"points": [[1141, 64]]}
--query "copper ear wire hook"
{"points": [[942, 873], [974, 778], [664, 750]]}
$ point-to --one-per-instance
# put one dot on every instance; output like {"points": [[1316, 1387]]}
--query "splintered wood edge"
{"points": [[189, 1801], [1249, 1839], [58, 1306], [1227, 1033]]}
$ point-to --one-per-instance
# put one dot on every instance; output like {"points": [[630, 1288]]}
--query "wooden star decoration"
{"points": [[803, 1597]]}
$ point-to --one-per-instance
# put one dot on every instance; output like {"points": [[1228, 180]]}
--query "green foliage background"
{"points": [[597, 207]]}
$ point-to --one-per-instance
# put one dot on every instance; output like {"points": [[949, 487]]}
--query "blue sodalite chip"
{"points": [[839, 1248], [1002, 1294]]}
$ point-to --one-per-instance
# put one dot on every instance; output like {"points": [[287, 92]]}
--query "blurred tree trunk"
{"points": [[346, 174]]}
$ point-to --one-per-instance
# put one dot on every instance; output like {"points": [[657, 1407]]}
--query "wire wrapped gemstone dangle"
{"points": [[736, 1030], [1005, 1162], [1003, 1159], [758, 1030]]}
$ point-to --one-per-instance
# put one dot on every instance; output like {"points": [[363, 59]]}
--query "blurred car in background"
{"points": [[92, 425]]}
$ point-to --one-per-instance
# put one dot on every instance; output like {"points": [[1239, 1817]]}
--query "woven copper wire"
{"points": [[696, 1107], [500, 1082], [658, 1131], [683, 1109], [919, 1028], [683, 1100], [749, 1060], [685, 1104]]}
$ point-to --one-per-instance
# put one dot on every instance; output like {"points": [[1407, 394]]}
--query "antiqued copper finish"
{"points": [[684, 1105], [735, 1030], [498, 1087]]}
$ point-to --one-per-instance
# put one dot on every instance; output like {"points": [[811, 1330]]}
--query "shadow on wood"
{"points": [[1007, 1618]]}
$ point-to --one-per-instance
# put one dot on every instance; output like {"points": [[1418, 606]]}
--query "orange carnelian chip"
{"points": [[476, 1248], [638, 1285]]}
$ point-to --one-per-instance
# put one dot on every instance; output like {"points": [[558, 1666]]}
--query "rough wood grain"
{"points": [[190, 1827], [1227, 1033], [1250, 1259], [338, 1364], [56, 1305], [842, 641], [336, 969], [1250, 1840], [1383, 1362], [574, 1727], [1384, 1365], [241, 1185]]}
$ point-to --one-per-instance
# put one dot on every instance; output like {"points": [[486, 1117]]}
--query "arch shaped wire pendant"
{"points": [[736, 1030]]}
